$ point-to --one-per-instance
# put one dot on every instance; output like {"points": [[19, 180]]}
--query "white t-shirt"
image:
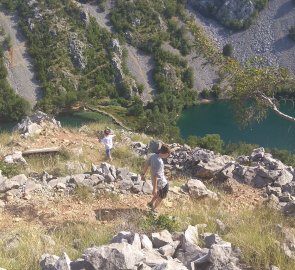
{"points": [[108, 141]]}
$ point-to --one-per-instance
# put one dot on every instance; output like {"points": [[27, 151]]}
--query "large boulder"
{"points": [[207, 163], [15, 158], [116, 256], [197, 190], [36, 123]]}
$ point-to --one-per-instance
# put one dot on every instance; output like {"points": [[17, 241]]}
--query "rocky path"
{"points": [[139, 64], [18, 62], [267, 38]]}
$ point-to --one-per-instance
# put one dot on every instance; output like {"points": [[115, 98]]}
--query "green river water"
{"points": [[212, 118], [217, 118]]}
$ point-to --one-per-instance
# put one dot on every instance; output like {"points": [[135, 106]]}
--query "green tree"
{"points": [[292, 32], [256, 90], [228, 50]]}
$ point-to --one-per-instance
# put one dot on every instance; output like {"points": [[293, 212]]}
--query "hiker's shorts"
{"points": [[163, 191]]}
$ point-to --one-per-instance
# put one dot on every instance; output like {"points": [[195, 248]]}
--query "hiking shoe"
{"points": [[149, 205]]}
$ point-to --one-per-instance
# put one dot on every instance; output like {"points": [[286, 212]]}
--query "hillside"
{"points": [[67, 202]]}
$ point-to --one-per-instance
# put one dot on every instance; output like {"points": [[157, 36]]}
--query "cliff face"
{"points": [[236, 13]]}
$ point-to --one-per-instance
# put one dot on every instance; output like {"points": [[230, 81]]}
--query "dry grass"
{"points": [[251, 230], [27, 251]]}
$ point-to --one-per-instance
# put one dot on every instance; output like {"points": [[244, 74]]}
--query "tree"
{"points": [[228, 50], [292, 32], [256, 90]]}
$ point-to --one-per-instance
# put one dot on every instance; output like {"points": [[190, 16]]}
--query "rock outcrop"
{"points": [[164, 251], [235, 13], [36, 123], [77, 47]]}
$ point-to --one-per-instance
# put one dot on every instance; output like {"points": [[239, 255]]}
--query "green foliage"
{"points": [[239, 149], [285, 156], [178, 37], [210, 141], [292, 32], [205, 93], [250, 88], [260, 4], [153, 223], [228, 50], [136, 109], [9, 170]]}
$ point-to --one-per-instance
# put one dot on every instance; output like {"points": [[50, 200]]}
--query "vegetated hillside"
{"points": [[78, 60], [114, 59]]}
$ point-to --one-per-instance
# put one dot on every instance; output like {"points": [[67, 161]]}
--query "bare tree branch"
{"points": [[275, 109]]}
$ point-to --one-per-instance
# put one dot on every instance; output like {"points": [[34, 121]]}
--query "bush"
{"points": [[239, 149], [205, 93], [283, 155], [210, 141], [292, 32], [9, 170], [152, 223], [228, 50]]}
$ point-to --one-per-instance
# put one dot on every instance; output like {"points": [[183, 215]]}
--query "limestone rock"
{"points": [[116, 256], [197, 190], [161, 239], [15, 158]]}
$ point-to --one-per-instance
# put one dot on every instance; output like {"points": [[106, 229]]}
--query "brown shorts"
{"points": [[163, 191]]}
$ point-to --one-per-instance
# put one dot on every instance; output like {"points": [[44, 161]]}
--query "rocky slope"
{"points": [[20, 65], [50, 198], [266, 39]]}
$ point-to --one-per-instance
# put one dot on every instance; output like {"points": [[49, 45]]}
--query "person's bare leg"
{"points": [[151, 203], [157, 202]]}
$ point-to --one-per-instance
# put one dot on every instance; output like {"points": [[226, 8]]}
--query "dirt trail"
{"points": [[18, 62], [139, 64], [267, 38]]}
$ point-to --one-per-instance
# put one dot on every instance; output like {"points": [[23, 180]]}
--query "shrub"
{"points": [[228, 50], [205, 93], [212, 142], [10, 170], [283, 155], [152, 223], [292, 32], [238, 149]]}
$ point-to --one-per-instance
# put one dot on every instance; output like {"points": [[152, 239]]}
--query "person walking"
{"points": [[159, 181], [107, 140]]}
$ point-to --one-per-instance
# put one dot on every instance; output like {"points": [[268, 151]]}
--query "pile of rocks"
{"points": [[161, 251], [36, 123], [102, 178], [259, 170]]}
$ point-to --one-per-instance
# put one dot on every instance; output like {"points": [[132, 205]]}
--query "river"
{"points": [[217, 118]]}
